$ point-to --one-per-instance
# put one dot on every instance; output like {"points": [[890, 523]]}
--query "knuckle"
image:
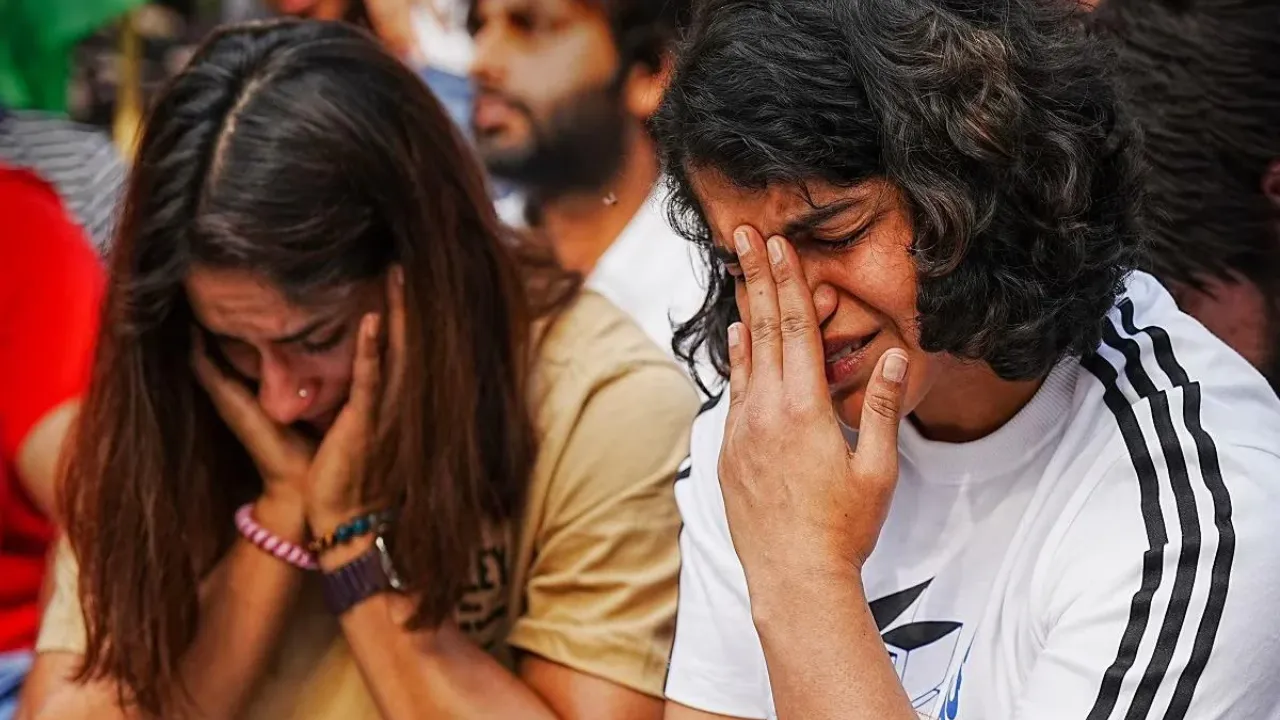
{"points": [[764, 329], [794, 325], [756, 420], [783, 273], [752, 269], [884, 405], [797, 408]]}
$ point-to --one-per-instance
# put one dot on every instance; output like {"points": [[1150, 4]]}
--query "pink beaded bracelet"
{"points": [[267, 541]]}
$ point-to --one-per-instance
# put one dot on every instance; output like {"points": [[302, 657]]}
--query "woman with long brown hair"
{"points": [[352, 448]]}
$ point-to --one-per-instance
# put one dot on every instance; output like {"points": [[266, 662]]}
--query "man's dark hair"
{"points": [[994, 118], [643, 30], [1202, 79]]}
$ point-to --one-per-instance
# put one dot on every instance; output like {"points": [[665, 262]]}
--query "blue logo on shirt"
{"points": [[921, 651]]}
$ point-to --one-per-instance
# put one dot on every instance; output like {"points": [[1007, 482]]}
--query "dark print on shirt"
{"points": [[483, 608], [922, 651]]}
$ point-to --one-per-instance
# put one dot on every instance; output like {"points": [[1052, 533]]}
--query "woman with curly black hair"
{"points": [[925, 218]]}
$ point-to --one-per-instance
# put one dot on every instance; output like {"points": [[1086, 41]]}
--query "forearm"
{"points": [[825, 656], [244, 606], [435, 672], [244, 603]]}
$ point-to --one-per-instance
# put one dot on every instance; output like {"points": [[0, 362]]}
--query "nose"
{"points": [[279, 392], [824, 302], [488, 59]]}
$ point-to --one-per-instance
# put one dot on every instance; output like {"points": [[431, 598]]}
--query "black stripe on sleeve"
{"points": [[1153, 558], [1188, 520], [1211, 471], [685, 469]]}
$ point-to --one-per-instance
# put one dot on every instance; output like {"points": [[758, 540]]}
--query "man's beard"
{"points": [[579, 148]]}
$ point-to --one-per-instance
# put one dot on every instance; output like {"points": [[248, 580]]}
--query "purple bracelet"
{"points": [[269, 542]]}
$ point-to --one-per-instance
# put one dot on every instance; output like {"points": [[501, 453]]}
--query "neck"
{"points": [[970, 402], [582, 226]]}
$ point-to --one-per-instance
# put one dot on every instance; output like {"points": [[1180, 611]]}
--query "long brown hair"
{"points": [[303, 151]]}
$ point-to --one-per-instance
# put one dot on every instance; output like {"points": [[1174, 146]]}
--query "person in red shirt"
{"points": [[51, 283]]}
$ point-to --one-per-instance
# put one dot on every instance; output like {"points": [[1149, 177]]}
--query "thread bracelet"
{"points": [[350, 530], [270, 543]]}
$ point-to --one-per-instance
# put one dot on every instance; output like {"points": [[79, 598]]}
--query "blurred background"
{"points": [[98, 62]]}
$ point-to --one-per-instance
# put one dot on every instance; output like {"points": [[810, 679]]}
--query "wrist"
{"points": [[341, 555], [774, 592], [284, 517]]}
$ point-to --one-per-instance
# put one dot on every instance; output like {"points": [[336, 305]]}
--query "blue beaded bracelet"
{"points": [[352, 529]]}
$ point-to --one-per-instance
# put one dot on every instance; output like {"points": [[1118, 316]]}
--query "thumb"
{"points": [[877, 453]]}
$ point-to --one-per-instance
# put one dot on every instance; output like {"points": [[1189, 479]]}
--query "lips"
{"points": [[845, 357], [490, 113]]}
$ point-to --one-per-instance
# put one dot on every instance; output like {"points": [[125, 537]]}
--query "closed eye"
{"points": [[329, 342], [848, 240]]}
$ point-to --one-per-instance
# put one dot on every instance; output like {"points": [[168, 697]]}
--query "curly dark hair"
{"points": [[996, 120], [1202, 79]]}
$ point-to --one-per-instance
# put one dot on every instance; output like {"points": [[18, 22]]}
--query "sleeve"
{"points": [[51, 282], [717, 662], [1185, 630], [601, 591], [62, 626]]}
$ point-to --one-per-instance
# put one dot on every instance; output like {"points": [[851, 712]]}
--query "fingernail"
{"points": [[895, 367], [775, 251], [399, 275], [371, 327], [741, 243], [735, 335]]}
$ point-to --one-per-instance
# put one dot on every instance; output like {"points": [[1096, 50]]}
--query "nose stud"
{"points": [[303, 393]]}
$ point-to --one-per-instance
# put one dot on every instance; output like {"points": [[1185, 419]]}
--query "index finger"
{"points": [[803, 360], [235, 405], [762, 306]]}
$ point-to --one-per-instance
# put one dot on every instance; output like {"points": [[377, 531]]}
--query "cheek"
{"points": [[560, 69], [872, 295], [331, 370], [922, 373], [242, 358]]}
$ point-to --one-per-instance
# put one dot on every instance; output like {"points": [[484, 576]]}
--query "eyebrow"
{"points": [[806, 224], [801, 227], [302, 334]]}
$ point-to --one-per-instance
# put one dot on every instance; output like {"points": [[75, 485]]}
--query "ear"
{"points": [[644, 87], [1271, 183]]}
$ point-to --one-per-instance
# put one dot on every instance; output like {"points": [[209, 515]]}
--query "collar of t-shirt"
{"points": [[1013, 446]]}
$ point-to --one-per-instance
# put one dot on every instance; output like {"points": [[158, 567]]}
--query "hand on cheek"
{"points": [[797, 498]]}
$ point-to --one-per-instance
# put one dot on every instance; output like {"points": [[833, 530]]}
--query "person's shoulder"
{"points": [[592, 335], [1174, 435], [22, 188], [591, 344], [1160, 374], [1175, 455], [38, 228]]}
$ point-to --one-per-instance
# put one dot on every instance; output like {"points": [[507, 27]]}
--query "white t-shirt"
{"points": [[652, 273], [1113, 551], [441, 30]]}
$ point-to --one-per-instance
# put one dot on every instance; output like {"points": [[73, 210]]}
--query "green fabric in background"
{"points": [[37, 38]]}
